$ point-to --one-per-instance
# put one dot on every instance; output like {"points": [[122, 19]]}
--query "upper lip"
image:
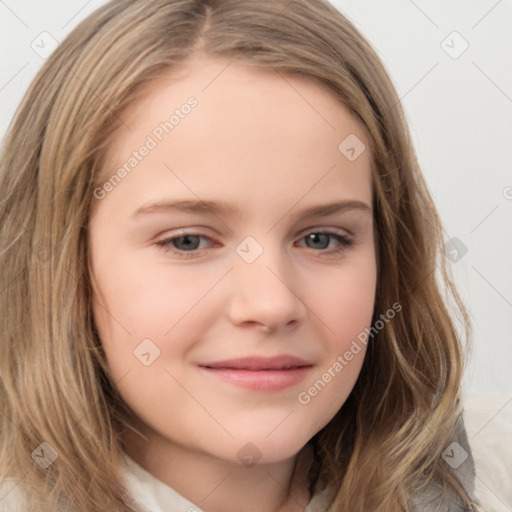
{"points": [[281, 362]]}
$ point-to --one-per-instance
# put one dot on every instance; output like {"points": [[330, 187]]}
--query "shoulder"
{"points": [[481, 453], [488, 419], [458, 455], [434, 499], [11, 497]]}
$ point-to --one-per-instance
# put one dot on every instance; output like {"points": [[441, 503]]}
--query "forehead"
{"points": [[232, 93], [250, 130]]}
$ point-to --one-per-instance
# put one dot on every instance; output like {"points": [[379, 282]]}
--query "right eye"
{"points": [[183, 244]]}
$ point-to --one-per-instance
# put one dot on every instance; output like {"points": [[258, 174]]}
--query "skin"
{"points": [[270, 145]]}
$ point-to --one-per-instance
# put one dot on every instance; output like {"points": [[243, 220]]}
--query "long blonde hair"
{"points": [[385, 444]]}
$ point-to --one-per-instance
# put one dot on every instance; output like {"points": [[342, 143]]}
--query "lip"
{"points": [[260, 373]]}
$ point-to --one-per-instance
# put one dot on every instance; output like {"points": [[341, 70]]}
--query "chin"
{"points": [[259, 449]]}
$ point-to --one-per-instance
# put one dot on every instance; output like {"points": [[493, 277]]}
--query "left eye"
{"points": [[323, 238], [187, 244]]}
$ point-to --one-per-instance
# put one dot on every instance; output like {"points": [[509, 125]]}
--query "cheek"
{"points": [[149, 300], [169, 307], [344, 300], [345, 307]]}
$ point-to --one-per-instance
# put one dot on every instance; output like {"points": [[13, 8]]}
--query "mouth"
{"points": [[260, 373]]}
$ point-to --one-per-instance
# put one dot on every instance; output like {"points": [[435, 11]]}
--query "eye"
{"points": [[320, 239], [181, 245]]}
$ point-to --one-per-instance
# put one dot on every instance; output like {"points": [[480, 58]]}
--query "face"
{"points": [[227, 306]]}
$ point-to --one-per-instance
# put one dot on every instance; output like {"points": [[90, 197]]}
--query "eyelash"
{"points": [[344, 243]]}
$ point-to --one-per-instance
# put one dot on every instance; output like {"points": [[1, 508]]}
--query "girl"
{"points": [[219, 283]]}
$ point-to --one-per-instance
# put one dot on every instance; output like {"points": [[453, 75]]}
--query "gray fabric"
{"points": [[460, 459]]}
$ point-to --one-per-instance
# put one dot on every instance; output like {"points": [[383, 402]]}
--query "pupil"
{"points": [[188, 242], [315, 237]]}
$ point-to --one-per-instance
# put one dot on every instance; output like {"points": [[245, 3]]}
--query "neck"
{"points": [[222, 486]]}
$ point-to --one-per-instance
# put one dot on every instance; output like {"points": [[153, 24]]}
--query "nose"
{"points": [[265, 293]]}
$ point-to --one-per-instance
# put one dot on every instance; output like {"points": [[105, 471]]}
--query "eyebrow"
{"points": [[212, 207], [219, 207]]}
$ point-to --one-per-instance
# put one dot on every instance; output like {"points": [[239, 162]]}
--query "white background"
{"points": [[460, 114]]}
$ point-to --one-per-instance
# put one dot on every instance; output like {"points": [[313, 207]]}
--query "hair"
{"points": [[385, 443]]}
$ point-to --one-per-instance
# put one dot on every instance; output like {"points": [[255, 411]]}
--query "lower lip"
{"points": [[261, 380]]}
